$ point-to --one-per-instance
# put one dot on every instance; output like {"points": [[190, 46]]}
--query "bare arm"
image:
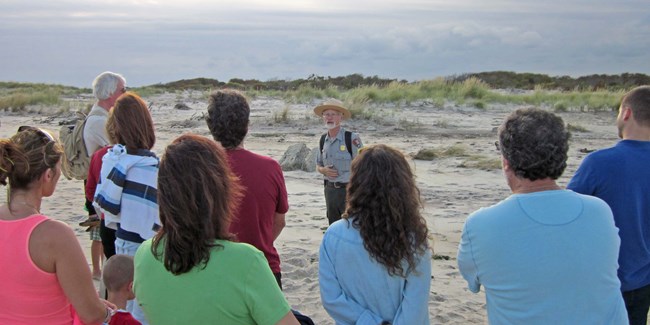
{"points": [[288, 319], [54, 249], [278, 224]]}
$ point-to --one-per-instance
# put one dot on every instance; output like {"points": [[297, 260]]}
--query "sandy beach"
{"points": [[451, 188]]}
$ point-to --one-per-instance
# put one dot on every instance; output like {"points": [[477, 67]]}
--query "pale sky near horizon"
{"points": [[156, 41]]}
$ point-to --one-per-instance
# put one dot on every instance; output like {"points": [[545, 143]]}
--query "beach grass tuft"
{"points": [[576, 128], [457, 150]]}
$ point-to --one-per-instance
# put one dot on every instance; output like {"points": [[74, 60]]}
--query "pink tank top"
{"points": [[28, 295]]}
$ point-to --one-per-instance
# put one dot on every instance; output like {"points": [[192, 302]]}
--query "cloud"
{"points": [[154, 41]]}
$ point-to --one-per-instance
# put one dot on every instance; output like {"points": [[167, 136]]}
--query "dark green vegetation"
{"points": [[588, 93], [512, 80]]}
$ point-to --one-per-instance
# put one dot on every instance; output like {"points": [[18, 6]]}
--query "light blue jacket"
{"points": [[356, 289]]}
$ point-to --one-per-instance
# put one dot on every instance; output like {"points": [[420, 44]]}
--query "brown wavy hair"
{"points": [[26, 155], [130, 124], [197, 196], [383, 202]]}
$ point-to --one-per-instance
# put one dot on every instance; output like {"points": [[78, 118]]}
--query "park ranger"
{"points": [[337, 148]]}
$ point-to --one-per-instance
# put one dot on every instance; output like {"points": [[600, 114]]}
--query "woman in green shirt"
{"points": [[192, 272]]}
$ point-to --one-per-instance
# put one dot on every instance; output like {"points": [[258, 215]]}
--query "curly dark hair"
{"points": [[228, 115], [384, 204], [638, 100], [535, 143], [196, 204], [130, 124]]}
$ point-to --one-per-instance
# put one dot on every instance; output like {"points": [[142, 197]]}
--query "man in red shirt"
{"points": [[259, 219]]}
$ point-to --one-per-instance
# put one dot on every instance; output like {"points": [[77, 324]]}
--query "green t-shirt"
{"points": [[236, 287]]}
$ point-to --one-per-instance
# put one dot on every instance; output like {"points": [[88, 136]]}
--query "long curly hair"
{"points": [[383, 202], [197, 196]]}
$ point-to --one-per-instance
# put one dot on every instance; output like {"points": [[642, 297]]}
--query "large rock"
{"points": [[310, 161], [294, 157]]}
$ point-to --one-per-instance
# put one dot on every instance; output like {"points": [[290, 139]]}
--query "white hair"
{"points": [[105, 84]]}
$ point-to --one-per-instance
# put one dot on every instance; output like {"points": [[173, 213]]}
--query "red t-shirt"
{"points": [[93, 172], [265, 194], [122, 317]]}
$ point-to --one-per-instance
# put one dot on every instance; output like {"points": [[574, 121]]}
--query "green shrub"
{"points": [[560, 107]]}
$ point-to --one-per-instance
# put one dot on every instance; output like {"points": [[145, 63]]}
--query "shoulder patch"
{"points": [[356, 142]]}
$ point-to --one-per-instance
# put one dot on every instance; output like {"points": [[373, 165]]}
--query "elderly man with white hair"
{"points": [[107, 87]]}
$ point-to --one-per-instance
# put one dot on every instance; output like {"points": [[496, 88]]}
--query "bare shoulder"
{"points": [[51, 241], [52, 232]]}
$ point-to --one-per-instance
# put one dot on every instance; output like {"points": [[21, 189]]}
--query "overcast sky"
{"points": [[156, 41]]}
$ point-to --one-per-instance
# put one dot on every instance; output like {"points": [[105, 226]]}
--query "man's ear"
{"points": [[504, 163], [627, 113]]}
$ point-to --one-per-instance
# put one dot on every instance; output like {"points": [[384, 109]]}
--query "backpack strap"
{"points": [[348, 142], [322, 141]]}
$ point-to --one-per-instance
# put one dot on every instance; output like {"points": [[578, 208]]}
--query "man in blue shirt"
{"points": [[337, 149], [543, 255], [620, 176]]}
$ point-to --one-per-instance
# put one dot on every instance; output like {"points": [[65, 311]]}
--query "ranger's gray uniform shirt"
{"points": [[336, 154]]}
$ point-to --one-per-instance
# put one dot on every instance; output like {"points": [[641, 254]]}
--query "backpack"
{"points": [[348, 142], [76, 161]]}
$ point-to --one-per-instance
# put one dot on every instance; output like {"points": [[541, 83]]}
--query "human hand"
{"points": [[330, 172], [108, 304]]}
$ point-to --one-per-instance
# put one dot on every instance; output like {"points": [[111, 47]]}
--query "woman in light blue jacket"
{"points": [[375, 263]]}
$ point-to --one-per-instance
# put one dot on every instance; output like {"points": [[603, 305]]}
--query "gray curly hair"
{"points": [[535, 143]]}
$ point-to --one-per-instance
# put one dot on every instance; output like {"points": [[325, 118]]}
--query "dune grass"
{"points": [[17, 96], [481, 162], [456, 150], [19, 100], [460, 151], [576, 128], [472, 92], [361, 100], [282, 115]]}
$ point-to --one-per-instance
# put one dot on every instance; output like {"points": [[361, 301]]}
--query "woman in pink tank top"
{"points": [[44, 277]]}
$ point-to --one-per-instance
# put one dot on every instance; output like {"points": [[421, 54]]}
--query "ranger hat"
{"points": [[332, 104]]}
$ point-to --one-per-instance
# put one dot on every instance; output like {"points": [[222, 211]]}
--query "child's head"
{"points": [[118, 273]]}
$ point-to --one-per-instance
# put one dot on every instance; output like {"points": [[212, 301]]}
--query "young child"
{"points": [[118, 279]]}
